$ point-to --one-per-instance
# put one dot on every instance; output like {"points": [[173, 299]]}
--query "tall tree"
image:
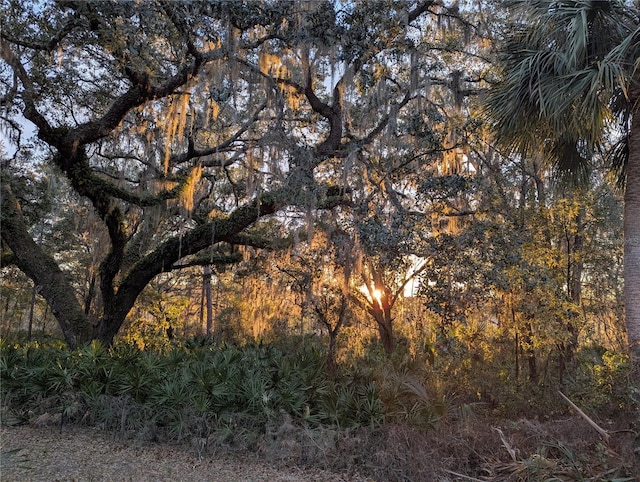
{"points": [[570, 82], [185, 123], [319, 274]]}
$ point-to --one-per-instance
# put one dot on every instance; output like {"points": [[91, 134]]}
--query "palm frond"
{"points": [[618, 156], [572, 167], [565, 67]]}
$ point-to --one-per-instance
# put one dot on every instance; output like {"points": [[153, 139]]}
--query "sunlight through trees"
{"points": [[383, 176]]}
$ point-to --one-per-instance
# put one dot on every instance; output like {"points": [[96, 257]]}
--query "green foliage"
{"points": [[407, 400], [603, 381], [278, 394], [183, 393]]}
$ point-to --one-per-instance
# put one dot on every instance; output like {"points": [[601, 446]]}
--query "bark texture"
{"points": [[48, 278], [632, 240]]}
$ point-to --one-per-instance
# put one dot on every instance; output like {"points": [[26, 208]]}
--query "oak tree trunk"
{"points": [[384, 321], [49, 280], [209, 299]]}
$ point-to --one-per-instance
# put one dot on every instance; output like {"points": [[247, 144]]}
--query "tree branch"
{"points": [[53, 42], [49, 279]]}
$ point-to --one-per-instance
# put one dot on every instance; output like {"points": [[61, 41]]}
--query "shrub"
{"points": [[179, 393]]}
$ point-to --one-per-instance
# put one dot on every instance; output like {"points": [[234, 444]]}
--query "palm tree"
{"points": [[570, 82]]}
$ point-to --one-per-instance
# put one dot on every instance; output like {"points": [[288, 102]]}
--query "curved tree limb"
{"points": [[50, 281]]}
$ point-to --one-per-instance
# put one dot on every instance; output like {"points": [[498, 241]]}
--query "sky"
{"points": [[6, 144]]}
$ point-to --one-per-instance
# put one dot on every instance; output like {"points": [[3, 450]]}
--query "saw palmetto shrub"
{"points": [[202, 391]]}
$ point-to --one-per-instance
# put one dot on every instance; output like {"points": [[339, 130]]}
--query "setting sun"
{"points": [[377, 295]]}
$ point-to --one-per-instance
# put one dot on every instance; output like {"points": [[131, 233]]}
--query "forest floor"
{"points": [[87, 454], [565, 450]]}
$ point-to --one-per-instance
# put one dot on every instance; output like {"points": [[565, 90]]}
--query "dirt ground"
{"points": [[82, 454], [566, 449]]}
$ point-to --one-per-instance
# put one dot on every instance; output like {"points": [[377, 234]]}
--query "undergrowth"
{"points": [[184, 391], [392, 419]]}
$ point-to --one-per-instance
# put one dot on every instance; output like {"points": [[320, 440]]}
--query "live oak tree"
{"points": [[184, 124], [406, 191], [107, 66]]}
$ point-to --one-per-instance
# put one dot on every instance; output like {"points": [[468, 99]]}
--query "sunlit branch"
{"points": [[193, 153], [207, 259]]}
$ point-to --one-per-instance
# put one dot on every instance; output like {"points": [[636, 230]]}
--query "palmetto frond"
{"points": [[566, 66]]}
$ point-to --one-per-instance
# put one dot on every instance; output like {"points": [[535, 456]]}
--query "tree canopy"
{"points": [[570, 83], [183, 125], [318, 160]]}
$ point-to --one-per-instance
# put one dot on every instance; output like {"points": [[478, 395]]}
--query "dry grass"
{"points": [[465, 449], [524, 450]]}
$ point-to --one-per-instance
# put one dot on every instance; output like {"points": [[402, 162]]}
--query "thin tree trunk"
{"points": [[208, 296], [323, 311], [516, 350], [531, 353], [516, 353], [202, 325], [44, 319], [575, 287], [32, 306], [573, 280], [91, 293], [216, 303], [385, 328]]}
